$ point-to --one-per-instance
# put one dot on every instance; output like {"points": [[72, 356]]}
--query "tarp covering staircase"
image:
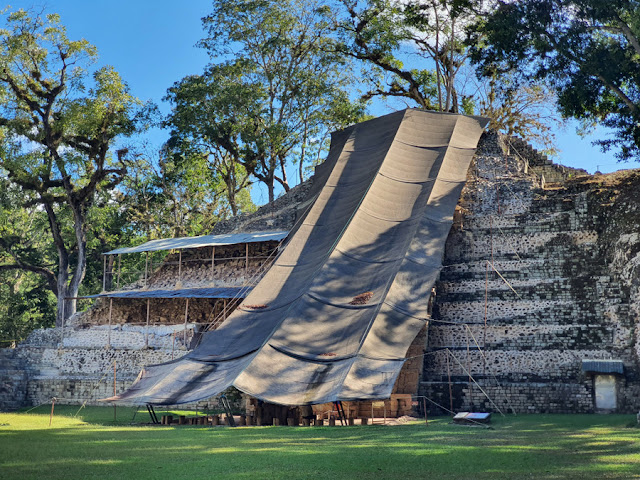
{"points": [[334, 316]]}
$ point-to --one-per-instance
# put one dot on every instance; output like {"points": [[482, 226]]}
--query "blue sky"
{"points": [[152, 45]]}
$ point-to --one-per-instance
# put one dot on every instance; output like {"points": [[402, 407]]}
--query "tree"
{"points": [[381, 32], [23, 305], [588, 50], [57, 133], [207, 121], [527, 110], [283, 83], [174, 195]]}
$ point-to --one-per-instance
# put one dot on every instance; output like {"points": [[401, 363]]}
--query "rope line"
{"points": [[474, 381]]}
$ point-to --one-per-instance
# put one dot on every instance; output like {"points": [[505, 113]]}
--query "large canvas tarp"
{"points": [[334, 316]]}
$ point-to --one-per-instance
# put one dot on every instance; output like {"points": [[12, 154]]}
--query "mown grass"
{"points": [[525, 446]]}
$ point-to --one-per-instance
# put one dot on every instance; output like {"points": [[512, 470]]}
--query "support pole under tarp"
{"points": [[119, 271], [115, 417], [109, 331], [213, 260], [146, 268], [104, 273], [246, 264], [186, 315], [146, 331], [450, 389], [64, 301], [470, 384]]}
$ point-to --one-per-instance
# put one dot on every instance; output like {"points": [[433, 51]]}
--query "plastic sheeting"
{"points": [[333, 318], [201, 241]]}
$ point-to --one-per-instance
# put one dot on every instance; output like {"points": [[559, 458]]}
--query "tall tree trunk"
{"points": [[270, 189], [62, 307]]}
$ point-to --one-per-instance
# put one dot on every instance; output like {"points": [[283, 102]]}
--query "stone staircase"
{"points": [[553, 303], [13, 380]]}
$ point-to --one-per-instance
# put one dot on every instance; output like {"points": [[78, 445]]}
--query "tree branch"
{"points": [[628, 33], [49, 276]]}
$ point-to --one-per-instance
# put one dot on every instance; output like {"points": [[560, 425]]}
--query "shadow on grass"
{"points": [[550, 447]]}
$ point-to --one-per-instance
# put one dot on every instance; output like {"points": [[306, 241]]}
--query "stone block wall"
{"points": [[227, 266], [81, 371], [535, 280]]}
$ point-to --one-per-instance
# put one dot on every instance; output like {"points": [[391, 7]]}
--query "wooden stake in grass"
{"points": [[53, 404], [424, 403], [450, 392], [114, 390]]}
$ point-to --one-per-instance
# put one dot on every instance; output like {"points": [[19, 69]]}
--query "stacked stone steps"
{"points": [[531, 395], [13, 381], [547, 244], [547, 311], [523, 282], [499, 290], [535, 222], [498, 224], [552, 245], [503, 364], [527, 337]]}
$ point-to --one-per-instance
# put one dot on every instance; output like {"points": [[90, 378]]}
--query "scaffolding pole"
{"points": [[109, 331], [119, 271], [186, 315], [146, 332], [104, 273]]}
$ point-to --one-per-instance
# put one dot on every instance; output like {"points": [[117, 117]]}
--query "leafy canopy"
{"points": [[58, 123], [588, 50]]}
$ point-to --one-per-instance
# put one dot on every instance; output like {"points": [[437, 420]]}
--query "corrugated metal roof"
{"points": [[603, 366], [217, 292], [201, 241]]}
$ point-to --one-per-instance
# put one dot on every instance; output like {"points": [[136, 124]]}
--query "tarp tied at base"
{"points": [[334, 317]]}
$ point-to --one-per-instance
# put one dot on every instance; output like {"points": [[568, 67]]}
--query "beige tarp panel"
{"points": [[335, 315]]}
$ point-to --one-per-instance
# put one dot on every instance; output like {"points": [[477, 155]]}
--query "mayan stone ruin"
{"points": [[536, 308]]}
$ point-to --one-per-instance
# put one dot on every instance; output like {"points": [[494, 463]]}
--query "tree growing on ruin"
{"points": [[58, 125]]}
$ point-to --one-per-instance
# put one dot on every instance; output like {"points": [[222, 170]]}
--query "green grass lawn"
{"points": [[92, 445]]}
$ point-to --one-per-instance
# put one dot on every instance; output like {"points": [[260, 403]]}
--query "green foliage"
{"points": [[588, 50], [25, 304], [527, 110], [176, 194], [381, 32], [208, 119], [57, 125], [274, 91]]}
